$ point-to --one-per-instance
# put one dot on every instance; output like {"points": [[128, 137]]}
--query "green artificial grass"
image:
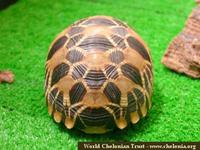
{"points": [[26, 30]]}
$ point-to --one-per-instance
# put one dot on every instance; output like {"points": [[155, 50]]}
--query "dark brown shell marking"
{"points": [[98, 76]]}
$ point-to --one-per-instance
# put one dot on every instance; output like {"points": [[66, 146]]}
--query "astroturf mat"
{"points": [[26, 30]]}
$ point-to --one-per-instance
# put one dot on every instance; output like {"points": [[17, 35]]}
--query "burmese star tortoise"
{"points": [[98, 76]]}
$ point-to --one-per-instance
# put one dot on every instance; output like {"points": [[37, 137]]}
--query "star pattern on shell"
{"points": [[98, 76]]}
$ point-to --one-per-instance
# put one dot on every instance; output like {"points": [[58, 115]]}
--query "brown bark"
{"points": [[197, 1], [6, 76], [183, 53]]}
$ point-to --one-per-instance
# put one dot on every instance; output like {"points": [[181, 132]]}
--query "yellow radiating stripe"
{"points": [[51, 89], [48, 84], [110, 111], [124, 101], [56, 96], [80, 110]]}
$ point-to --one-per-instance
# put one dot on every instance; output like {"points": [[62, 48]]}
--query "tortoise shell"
{"points": [[98, 76]]}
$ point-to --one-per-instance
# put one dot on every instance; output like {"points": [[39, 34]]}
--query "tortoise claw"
{"points": [[121, 123], [69, 123], [50, 108], [135, 117], [143, 109], [57, 116]]}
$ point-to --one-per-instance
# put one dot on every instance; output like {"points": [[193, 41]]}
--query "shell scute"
{"points": [[98, 76]]}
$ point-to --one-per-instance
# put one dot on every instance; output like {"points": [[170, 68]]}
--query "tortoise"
{"points": [[98, 76]]}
